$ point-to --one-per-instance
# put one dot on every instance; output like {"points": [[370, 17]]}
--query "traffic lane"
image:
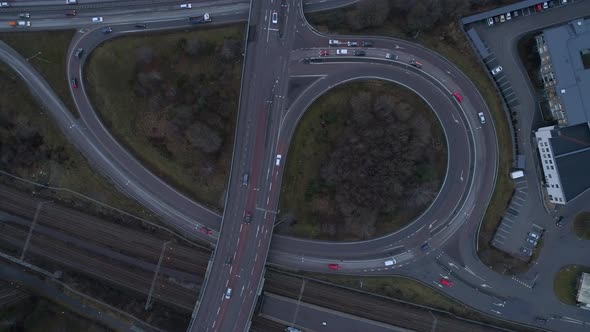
{"points": [[254, 107], [458, 149], [314, 318]]}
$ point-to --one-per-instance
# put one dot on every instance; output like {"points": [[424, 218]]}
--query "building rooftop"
{"points": [[584, 289], [571, 151], [569, 46]]}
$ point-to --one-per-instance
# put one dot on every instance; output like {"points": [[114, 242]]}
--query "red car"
{"points": [[334, 266], [74, 83], [324, 52], [446, 282], [205, 230], [458, 96], [539, 7]]}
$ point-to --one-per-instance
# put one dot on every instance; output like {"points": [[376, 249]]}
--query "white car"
{"points": [[97, 19], [496, 70], [490, 21], [482, 118], [228, 293], [545, 5], [334, 42], [186, 6], [508, 16], [278, 162], [390, 262], [71, 2], [275, 17], [342, 52], [390, 56]]}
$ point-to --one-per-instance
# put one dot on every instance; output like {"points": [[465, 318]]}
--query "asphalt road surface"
{"points": [[267, 132]]}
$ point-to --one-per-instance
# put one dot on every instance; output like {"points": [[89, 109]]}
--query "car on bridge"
{"points": [[334, 42], [416, 64], [248, 218], [359, 53], [446, 282], [205, 230], [275, 17], [228, 293], [97, 19], [368, 43], [74, 82], [458, 96], [79, 52], [186, 6], [334, 266], [324, 52]]}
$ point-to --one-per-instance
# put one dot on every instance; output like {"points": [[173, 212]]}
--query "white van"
{"points": [[516, 174], [390, 262]]}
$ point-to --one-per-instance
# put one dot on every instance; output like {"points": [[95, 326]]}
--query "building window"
{"points": [[549, 176], [556, 185], [552, 167], [547, 167]]}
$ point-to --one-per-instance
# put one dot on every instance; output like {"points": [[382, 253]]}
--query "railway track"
{"points": [[136, 280], [366, 306]]}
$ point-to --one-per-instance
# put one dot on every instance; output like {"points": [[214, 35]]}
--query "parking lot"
{"points": [[496, 45]]}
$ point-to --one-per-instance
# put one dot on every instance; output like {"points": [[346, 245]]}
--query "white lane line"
{"points": [[218, 309]]}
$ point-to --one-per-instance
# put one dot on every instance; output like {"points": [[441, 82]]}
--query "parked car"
{"points": [[458, 96], [446, 282], [482, 119], [534, 235], [490, 21], [526, 251], [545, 5], [496, 19], [539, 7], [508, 16], [531, 241], [334, 266], [496, 70], [515, 13]]}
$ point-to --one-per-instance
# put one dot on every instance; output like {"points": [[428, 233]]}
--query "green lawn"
{"points": [[148, 124], [564, 284], [46, 51], [449, 41], [307, 197], [582, 225]]}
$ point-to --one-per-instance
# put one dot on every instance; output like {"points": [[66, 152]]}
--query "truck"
{"points": [[516, 174], [205, 18]]}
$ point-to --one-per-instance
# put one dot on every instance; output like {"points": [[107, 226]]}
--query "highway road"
{"points": [[265, 127]]}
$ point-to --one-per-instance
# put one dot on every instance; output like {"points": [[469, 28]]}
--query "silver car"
{"points": [[496, 70], [482, 118]]}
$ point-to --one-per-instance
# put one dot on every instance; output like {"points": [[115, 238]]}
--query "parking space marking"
{"points": [[519, 204], [502, 236], [516, 197], [500, 229]]}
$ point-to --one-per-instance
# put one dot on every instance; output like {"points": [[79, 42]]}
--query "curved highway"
{"points": [[456, 213]]}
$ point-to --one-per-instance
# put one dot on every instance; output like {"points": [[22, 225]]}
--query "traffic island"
{"points": [[366, 159], [566, 283], [171, 99], [582, 225]]}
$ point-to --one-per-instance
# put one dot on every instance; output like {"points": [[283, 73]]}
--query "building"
{"points": [[564, 149], [565, 159], [583, 296], [565, 70]]}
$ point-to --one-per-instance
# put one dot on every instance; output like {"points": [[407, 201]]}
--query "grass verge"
{"points": [[582, 225], [565, 282], [33, 148], [171, 99], [449, 41], [46, 52]]}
